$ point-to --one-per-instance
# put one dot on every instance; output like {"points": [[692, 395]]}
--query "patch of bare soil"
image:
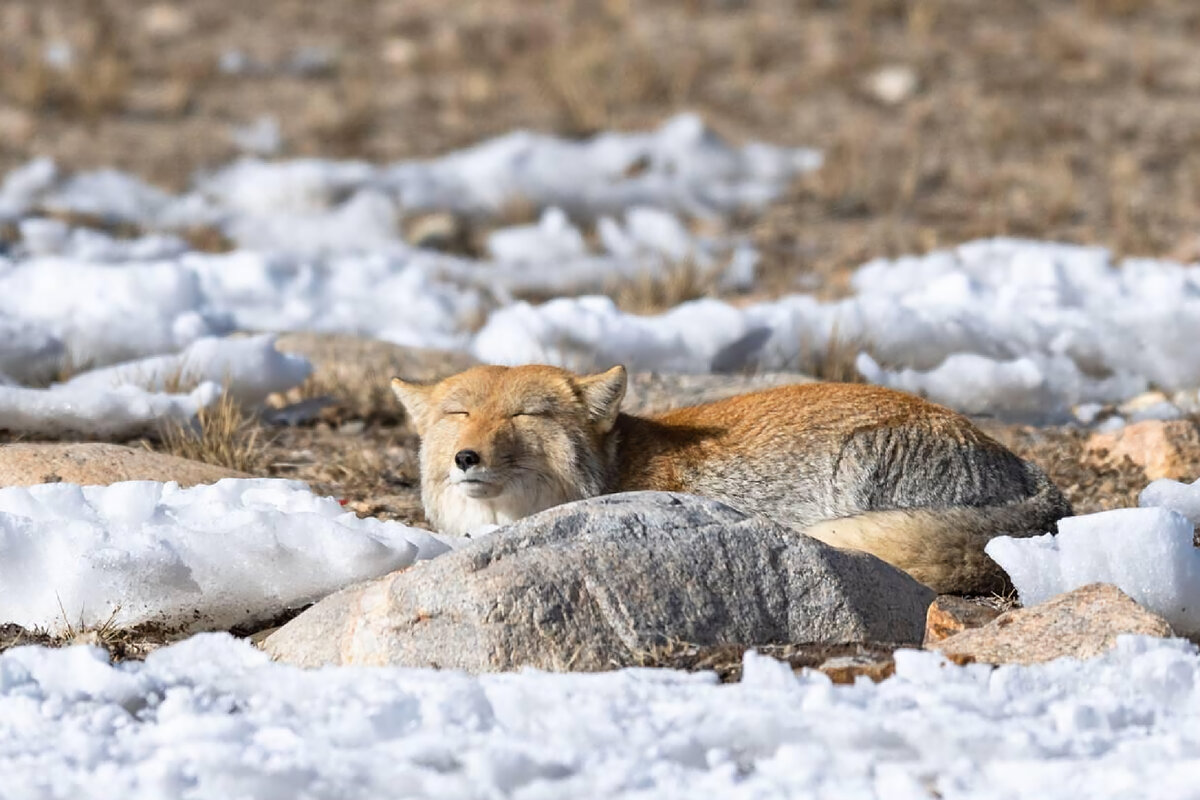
{"points": [[841, 662]]}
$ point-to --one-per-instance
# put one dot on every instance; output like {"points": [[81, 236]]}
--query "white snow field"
{"points": [[202, 558], [212, 717], [1147, 552]]}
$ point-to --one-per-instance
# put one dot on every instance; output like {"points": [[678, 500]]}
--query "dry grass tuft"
{"points": [[121, 643], [224, 434], [653, 292], [343, 117], [603, 66], [93, 81]]}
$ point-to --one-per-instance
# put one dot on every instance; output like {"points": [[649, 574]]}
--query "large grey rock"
{"points": [[597, 583]]}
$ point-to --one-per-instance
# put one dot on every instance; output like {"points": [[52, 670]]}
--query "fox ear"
{"points": [[603, 394], [415, 399]]}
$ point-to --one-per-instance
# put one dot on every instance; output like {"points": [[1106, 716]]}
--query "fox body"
{"points": [[855, 466]]}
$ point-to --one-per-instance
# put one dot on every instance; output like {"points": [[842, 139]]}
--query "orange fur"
{"points": [[857, 466]]}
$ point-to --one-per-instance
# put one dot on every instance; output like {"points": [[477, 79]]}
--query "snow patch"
{"points": [[117, 412], [206, 557], [134, 397], [251, 367]]}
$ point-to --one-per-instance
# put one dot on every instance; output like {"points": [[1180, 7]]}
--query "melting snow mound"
{"points": [[1146, 552], [206, 557], [130, 398], [251, 367]]}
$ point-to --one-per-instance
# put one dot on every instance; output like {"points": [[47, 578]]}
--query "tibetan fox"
{"points": [[855, 466]]}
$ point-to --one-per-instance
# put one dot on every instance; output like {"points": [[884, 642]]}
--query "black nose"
{"points": [[465, 459]]}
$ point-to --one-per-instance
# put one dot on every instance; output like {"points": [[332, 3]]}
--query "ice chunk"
{"points": [[134, 397], [682, 167], [190, 559], [1181, 497], [1145, 552], [363, 223], [109, 195]]}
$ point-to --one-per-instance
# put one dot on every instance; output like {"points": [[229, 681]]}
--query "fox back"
{"points": [[856, 466]]}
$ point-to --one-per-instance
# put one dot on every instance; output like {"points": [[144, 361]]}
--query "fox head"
{"points": [[500, 443]]}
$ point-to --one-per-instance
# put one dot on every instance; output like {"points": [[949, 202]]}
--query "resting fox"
{"points": [[855, 466]]}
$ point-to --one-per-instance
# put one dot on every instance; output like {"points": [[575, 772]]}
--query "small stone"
{"points": [[950, 614], [1163, 449], [258, 637], [1087, 413], [892, 85], [846, 669], [439, 230], [1079, 624], [1142, 401], [167, 21], [400, 52]]}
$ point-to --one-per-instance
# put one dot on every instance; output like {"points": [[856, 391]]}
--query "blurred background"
{"points": [[940, 120]]}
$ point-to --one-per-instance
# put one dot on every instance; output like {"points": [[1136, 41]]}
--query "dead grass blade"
{"points": [[223, 434]]}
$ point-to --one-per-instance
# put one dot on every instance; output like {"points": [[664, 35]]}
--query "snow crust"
{"points": [[134, 397], [116, 412], [251, 366], [201, 558], [1146, 552], [320, 245], [212, 717]]}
